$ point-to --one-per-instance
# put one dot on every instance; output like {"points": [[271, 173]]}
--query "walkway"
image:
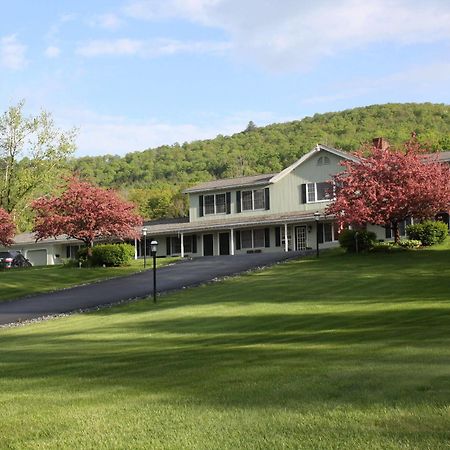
{"points": [[177, 276]]}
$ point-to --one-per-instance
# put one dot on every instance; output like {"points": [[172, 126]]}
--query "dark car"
{"points": [[12, 259]]}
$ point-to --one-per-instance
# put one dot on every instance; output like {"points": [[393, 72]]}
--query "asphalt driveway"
{"points": [[177, 276]]}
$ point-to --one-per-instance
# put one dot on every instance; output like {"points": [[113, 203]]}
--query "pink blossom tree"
{"points": [[385, 186], [85, 212], [7, 228]]}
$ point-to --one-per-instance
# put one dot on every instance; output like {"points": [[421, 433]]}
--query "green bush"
{"points": [[365, 239], [384, 247], [410, 243], [428, 232], [112, 254]]}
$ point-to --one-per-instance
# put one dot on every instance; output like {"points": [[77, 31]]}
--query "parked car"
{"points": [[12, 259]]}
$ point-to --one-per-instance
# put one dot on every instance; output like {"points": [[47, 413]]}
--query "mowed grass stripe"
{"points": [[336, 353]]}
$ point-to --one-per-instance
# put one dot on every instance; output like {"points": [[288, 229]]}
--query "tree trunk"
{"points": [[395, 231]]}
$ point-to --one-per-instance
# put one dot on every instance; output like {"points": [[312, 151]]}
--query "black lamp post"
{"points": [[154, 249], [144, 233], [316, 216]]}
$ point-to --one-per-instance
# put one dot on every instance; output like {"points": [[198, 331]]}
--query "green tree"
{"points": [[33, 153]]}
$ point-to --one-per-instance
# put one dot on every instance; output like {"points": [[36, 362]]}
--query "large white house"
{"points": [[262, 213]]}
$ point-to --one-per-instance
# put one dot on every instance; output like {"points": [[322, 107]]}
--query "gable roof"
{"points": [[265, 179], [253, 180], [318, 148]]}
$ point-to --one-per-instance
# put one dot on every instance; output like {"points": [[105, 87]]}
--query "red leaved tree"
{"points": [[388, 185], [7, 228], [85, 212]]}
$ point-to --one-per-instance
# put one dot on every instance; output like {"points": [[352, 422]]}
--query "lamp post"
{"points": [[154, 249], [144, 233], [316, 216]]}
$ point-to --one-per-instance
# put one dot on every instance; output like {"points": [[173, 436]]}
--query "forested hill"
{"points": [[270, 148], [259, 150]]}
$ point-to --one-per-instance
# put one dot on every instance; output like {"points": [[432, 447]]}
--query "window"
{"points": [[215, 204], [175, 244], [327, 232], [246, 239], [401, 228], [209, 204], [323, 161], [258, 237], [319, 192], [220, 204], [255, 199]]}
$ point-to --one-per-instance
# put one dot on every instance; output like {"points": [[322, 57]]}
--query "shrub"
{"points": [[112, 254], [428, 232], [365, 239], [410, 243], [384, 247]]}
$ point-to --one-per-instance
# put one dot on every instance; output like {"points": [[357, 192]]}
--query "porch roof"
{"points": [[235, 222]]}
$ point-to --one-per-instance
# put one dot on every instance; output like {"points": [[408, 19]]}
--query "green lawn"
{"points": [[16, 283], [345, 352]]}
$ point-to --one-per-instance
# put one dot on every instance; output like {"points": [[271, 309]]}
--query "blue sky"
{"points": [[133, 74]]}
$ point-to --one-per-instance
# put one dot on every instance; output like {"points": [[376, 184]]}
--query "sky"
{"points": [[135, 74]]}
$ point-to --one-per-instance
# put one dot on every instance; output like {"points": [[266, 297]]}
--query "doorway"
{"points": [[300, 237], [208, 245], [224, 243]]}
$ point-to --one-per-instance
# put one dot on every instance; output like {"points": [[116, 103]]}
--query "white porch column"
{"points": [[286, 243], [135, 248], [232, 242], [182, 244]]}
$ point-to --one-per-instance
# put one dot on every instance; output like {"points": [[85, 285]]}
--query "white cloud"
{"points": [[148, 49], [295, 34], [108, 21], [12, 53], [52, 52], [105, 134]]}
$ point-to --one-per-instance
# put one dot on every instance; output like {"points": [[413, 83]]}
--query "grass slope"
{"points": [[16, 283], [338, 353]]}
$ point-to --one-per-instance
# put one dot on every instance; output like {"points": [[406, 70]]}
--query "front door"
{"points": [[300, 237], [208, 245], [224, 243]]}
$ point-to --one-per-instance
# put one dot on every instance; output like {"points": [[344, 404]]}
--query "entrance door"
{"points": [[224, 243], [300, 237], [208, 245]]}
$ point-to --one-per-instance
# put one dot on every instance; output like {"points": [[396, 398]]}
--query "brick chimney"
{"points": [[380, 143]]}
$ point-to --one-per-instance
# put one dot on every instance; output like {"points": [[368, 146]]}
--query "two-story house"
{"points": [[272, 212]]}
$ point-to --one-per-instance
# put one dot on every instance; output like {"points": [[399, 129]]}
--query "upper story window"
{"points": [[254, 199], [215, 204], [319, 192], [323, 161]]}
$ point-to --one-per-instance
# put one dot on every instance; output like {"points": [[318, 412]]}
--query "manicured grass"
{"points": [[16, 283], [345, 352]]}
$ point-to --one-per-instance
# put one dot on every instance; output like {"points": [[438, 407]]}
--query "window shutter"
{"points": [[303, 193], [267, 197], [238, 201], [267, 237], [228, 200], [194, 243], [238, 240], [388, 231], [168, 246], [200, 206], [320, 231], [277, 237]]}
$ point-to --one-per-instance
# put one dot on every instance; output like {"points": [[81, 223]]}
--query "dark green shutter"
{"points": [[228, 200], [320, 232], [200, 206], [267, 198], [168, 246], [194, 243], [267, 237], [277, 237], [388, 231], [238, 201], [238, 240], [303, 193]]}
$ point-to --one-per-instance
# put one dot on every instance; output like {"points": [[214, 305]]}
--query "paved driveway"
{"points": [[183, 274]]}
